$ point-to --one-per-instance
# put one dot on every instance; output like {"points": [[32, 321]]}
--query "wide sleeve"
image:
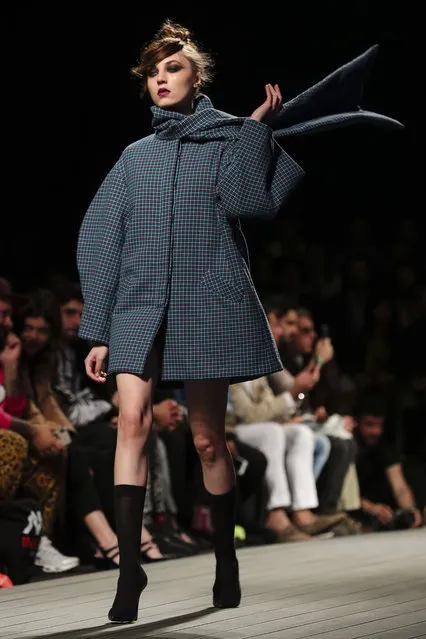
{"points": [[256, 175], [99, 249]]}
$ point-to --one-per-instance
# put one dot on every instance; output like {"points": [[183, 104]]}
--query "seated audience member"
{"points": [[90, 467], [282, 315], [263, 422], [92, 407], [86, 404], [307, 350], [392, 489], [31, 456]]}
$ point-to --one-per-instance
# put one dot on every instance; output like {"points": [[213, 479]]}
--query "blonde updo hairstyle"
{"points": [[169, 39]]}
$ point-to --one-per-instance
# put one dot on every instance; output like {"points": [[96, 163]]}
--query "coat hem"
{"points": [[234, 378]]}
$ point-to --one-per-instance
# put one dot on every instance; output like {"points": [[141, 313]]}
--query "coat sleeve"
{"points": [[99, 250], [256, 175], [270, 409]]}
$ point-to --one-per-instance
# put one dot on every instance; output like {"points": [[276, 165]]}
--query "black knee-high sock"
{"points": [[223, 510], [226, 589], [128, 505]]}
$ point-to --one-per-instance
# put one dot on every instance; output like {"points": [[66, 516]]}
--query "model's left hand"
{"points": [[272, 105], [94, 363]]}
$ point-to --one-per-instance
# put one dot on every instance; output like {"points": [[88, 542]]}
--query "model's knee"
{"points": [[209, 448], [135, 425]]}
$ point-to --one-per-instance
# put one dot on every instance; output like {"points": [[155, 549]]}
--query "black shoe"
{"points": [[169, 545], [226, 589], [167, 537], [126, 602], [106, 562], [146, 558], [259, 536]]}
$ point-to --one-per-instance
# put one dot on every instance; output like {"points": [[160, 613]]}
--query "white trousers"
{"points": [[289, 451]]}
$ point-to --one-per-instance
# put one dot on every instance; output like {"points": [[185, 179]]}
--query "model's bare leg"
{"points": [[206, 411], [134, 425]]}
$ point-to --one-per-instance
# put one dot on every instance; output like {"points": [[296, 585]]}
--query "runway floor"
{"points": [[344, 588]]}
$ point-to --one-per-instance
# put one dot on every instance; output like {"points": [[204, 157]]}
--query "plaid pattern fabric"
{"points": [[161, 255], [332, 103]]}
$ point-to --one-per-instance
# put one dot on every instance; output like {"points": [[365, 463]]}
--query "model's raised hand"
{"points": [[272, 105]]}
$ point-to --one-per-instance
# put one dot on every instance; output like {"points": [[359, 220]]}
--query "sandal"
{"points": [[147, 554], [106, 562], [171, 532]]}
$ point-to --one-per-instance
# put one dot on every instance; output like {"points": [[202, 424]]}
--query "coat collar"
{"points": [[206, 122]]}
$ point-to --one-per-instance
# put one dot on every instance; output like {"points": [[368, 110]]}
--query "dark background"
{"points": [[70, 107]]}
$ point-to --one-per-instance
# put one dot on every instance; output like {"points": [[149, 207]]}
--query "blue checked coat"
{"points": [[160, 251]]}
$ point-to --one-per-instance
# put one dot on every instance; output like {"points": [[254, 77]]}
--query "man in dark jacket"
{"points": [[305, 348]]}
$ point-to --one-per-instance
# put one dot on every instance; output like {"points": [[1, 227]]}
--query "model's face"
{"points": [[171, 83]]}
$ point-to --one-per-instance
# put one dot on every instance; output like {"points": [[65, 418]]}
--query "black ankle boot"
{"points": [[128, 504], [226, 589], [126, 602]]}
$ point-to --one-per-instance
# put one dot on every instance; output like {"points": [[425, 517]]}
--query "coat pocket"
{"points": [[222, 288]]}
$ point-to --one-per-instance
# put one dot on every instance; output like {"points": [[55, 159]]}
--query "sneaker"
{"points": [[49, 559]]}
